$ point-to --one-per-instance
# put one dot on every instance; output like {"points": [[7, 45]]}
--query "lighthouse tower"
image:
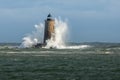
{"points": [[49, 28]]}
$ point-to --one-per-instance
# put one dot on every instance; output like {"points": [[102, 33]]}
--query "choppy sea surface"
{"points": [[99, 62]]}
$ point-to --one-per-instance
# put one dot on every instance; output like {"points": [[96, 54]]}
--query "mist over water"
{"points": [[60, 37]]}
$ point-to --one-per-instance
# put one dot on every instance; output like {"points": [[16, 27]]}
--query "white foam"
{"points": [[75, 47]]}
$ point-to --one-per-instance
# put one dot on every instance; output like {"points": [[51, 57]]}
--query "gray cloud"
{"points": [[76, 8]]}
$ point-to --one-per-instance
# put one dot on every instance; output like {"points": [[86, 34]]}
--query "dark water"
{"points": [[51, 64]]}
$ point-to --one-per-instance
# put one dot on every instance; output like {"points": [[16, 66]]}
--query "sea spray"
{"points": [[60, 35], [36, 36], [61, 31], [33, 38]]}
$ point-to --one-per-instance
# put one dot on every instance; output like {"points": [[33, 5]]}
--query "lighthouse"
{"points": [[49, 31]]}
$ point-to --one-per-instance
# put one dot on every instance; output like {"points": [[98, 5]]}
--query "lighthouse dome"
{"points": [[49, 17]]}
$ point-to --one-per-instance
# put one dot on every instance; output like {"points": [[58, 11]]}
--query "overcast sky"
{"points": [[88, 20]]}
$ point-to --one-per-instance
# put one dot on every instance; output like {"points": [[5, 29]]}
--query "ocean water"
{"points": [[95, 63]]}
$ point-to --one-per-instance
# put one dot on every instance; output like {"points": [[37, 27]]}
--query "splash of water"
{"points": [[60, 35], [33, 38], [61, 30]]}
